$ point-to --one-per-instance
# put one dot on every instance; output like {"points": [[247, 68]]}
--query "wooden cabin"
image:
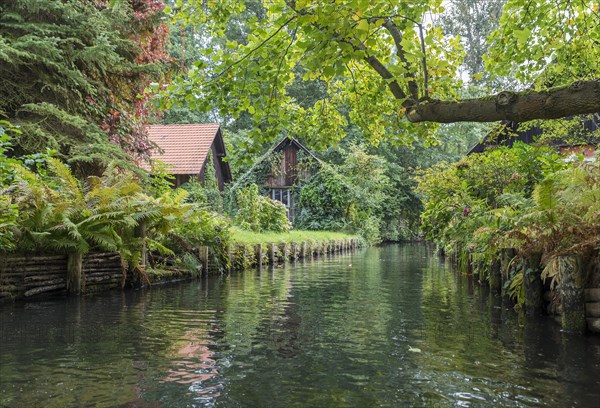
{"points": [[507, 133], [185, 150], [282, 170], [290, 164]]}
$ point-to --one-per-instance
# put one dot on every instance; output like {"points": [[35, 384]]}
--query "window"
{"points": [[282, 195]]}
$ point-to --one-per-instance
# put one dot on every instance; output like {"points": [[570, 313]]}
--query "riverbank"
{"points": [[25, 277]]}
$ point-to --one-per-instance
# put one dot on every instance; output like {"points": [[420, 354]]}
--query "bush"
{"points": [[259, 213]]}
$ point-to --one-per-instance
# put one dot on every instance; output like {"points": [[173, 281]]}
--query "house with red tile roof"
{"points": [[185, 150]]}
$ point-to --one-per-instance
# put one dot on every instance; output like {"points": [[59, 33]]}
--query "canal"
{"points": [[387, 326]]}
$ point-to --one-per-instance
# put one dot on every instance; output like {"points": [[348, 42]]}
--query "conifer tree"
{"points": [[73, 75]]}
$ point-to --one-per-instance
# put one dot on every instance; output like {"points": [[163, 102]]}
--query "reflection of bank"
{"points": [[195, 365]]}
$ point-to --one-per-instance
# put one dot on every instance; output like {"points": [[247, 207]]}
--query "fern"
{"points": [[516, 290]]}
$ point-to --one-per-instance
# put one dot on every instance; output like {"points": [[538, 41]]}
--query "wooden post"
{"points": [[572, 293], [140, 232], [230, 257], [506, 258], [244, 255], [272, 253], [258, 251], [284, 252], [74, 265], [495, 278], [534, 289], [303, 249], [203, 255], [294, 251]]}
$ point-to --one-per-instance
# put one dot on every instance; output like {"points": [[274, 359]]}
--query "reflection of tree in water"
{"points": [[283, 331]]}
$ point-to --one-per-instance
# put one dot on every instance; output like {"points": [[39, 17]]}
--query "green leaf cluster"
{"points": [[526, 198], [259, 213], [71, 76]]}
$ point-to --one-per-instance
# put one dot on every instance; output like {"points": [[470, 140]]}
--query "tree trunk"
{"points": [[572, 295], [534, 289]]}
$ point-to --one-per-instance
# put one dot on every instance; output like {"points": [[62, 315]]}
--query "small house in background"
{"points": [[508, 133], [280, 172], [185, 150]]}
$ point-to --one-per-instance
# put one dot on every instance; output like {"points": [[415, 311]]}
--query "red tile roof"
{"points": [[185, 147]]}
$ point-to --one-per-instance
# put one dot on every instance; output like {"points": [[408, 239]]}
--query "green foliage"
{"points": [[527, 198], [259, 213], [9, 212], [516, 289], [54, 211], [368, 62], [532, 31], [346, 198], [74, 73], [302, 67]]}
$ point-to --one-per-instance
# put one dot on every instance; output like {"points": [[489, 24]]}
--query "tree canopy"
{"points": [[389, 65]]}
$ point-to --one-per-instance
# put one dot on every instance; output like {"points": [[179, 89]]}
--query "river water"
{"points": [[387, 326]]}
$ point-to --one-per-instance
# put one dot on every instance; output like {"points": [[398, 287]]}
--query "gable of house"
{"points": [[285, 166], [185, 148], [290, 164]]}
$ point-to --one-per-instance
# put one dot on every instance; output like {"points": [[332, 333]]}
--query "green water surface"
{"points": [[387, 326]]}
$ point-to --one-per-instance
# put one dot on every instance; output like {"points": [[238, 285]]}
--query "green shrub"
{"points": [[259, 213]]}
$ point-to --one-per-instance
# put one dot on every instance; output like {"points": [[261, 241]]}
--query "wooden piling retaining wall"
{"points": [[24, 277], [28, 276], [243, 256], [592, 297]]}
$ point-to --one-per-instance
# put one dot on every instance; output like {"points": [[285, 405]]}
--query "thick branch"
{"points": [[383, 72], [580, 97], [396, 34]]}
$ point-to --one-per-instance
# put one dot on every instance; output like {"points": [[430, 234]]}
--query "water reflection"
{"points": [[393, 329]]}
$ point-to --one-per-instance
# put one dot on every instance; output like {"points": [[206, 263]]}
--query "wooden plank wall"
{"points": [[37, 275]]}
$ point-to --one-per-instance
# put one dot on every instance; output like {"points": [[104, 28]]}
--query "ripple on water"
{"points": [[315, 335]]}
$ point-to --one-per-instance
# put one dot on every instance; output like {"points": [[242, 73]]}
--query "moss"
{"points": [[573, 322], [161, 275]]}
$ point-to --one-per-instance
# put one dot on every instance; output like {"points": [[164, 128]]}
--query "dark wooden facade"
{"points": [[289, 165], [280, 172], [286, 170]]}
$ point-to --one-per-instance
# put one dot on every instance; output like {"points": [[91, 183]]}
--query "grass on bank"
{"points": [[252, 238]]}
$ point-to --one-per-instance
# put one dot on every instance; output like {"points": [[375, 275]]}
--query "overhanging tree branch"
{"points": [[413, 88], [580, 97]]}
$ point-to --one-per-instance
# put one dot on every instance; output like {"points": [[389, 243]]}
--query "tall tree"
{"points": [[73, 75], [391, 66], [473, 21]]}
